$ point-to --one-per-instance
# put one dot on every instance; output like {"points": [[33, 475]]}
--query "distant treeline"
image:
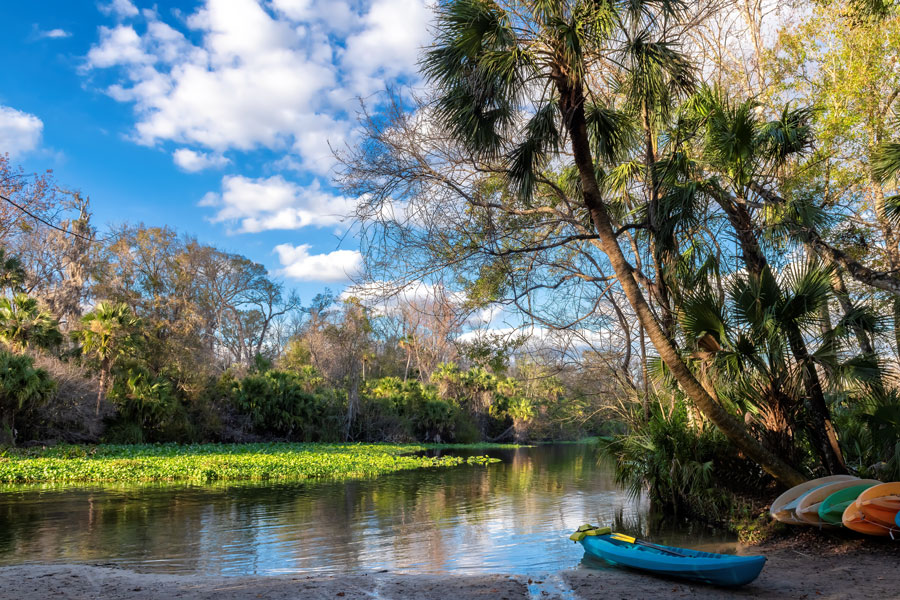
{"points": [[142, 334]]}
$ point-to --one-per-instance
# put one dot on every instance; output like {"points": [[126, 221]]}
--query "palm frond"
{"points": [[541, 138], [611, 132], [886, 161], [790, 135]]}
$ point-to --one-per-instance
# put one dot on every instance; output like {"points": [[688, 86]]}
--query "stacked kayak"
{"points": [[784, 507], [832, 508], [809, 504], [707, 567], [875, 511], [864, 505]]}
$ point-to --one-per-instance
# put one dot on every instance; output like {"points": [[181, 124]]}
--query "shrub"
{"points": [[683, 466], [286, 404], [23, 388]]}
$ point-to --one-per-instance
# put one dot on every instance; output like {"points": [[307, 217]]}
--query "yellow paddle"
{"points": [[631, 540]]}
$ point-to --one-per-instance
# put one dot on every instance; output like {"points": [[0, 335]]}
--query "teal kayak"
{"points": [[707, 567]]}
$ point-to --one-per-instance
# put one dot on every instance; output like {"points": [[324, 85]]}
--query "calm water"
{"points": [[511, 517]]}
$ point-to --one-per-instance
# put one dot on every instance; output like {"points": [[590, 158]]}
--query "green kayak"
{"points": [[832, 508]]}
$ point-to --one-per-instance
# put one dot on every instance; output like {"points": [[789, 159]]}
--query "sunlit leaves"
{"points": [[211, 462]]}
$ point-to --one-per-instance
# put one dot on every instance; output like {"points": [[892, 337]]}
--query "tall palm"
{"points": [[497, 65], [737, 149], [108, 333], [23, 324]]}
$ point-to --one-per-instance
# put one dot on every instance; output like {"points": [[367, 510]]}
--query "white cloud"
{"points": [[298, 263], [20, 132], [276, 203], [280, 75], [120, 45], [54, 34], [192, 161], [120, 8], [394, 32]]}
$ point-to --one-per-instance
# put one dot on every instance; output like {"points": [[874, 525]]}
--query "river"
{"points": [[509, 517]]}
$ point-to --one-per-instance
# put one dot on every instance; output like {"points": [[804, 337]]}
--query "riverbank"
{"points": [[222, 462], [797, 568]]}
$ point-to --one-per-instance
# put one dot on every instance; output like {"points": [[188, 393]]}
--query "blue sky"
{"points": [[211, 116]]}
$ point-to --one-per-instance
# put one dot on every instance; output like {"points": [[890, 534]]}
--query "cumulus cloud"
{"points": [[120, 8], [275, 203], [282, 75], [54, 34], [192, 161], [338, 266], [20, 132]]}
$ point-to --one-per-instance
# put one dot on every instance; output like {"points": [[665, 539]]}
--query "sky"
{"points": [[215, 117]]}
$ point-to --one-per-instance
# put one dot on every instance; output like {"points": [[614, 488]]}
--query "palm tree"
{"points": [[24, 324], [744, 345], [737, 150], [491, 59], [12, 273], [108, 333]]}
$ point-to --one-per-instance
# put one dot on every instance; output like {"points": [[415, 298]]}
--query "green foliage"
{"points": [[144, 401], [23, 324], [294, 405], [870, 434], [108, 333], [12, 273], [22, 389], [410, 409], [211, 462], [683, 464]]}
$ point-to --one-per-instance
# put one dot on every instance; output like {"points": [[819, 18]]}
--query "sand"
{"points": [[797, 568]]}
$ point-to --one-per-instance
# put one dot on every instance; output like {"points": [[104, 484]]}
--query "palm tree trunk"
{"points": [[101, 389], [7, 429], [572, 105]]}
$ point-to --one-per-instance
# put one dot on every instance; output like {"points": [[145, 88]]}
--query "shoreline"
{"points": [[804, 566]]}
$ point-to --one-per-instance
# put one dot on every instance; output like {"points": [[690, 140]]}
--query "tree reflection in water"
{"points": [[511, 517]]}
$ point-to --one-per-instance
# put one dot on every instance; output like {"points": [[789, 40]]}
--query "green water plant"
{"points": [[213, 462]]}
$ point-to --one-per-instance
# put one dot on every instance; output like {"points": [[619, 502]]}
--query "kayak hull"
{"points": [[881, 503], [854, 519], [832, 508], [810, 503], [783, 508], [707, 567]]}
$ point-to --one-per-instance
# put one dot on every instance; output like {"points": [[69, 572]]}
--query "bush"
{"points": [[684, 466], [23, 388], [289, 404], [870, 435], [394, 409]]}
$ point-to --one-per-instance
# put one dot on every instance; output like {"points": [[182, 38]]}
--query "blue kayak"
{"points": [[718, 569]]}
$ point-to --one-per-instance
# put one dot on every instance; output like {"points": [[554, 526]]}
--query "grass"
{"points": [[216, 462]]}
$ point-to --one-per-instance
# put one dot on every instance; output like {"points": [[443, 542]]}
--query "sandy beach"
{"points": [[804, 567]]}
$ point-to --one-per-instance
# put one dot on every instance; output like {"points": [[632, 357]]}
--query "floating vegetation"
{"points": [[213, 462]]}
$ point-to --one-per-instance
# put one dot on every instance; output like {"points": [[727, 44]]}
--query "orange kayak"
{"points": [[855, 519], [881, 503]]}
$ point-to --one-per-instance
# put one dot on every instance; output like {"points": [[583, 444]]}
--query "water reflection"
{"points": [[510, 517]]}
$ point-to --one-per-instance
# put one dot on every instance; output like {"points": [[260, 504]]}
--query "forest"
{"points": [[691, 218], [144, 334]]}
